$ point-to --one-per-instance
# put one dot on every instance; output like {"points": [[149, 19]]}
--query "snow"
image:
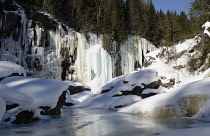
{"points": [[8, 68], [196, 130], [206, 26], [136, 78], [165, 66], [12, 96], [45, 92], [125, 100], [149, 106], [158, 91], [81, 97], [2, 108], [117, 85]]}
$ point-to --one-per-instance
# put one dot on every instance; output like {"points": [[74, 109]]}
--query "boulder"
{"points": [[46, 110]]}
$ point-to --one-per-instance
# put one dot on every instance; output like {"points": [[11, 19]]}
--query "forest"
{"points": [[116, 19]]}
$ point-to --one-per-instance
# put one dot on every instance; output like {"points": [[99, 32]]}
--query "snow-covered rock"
{"points": [[17, 103], [129, 86], [8, 69], [48, 94], [191, 100], [2, 108]]}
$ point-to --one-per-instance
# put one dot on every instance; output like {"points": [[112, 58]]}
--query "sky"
{"points": [[174, 5]]}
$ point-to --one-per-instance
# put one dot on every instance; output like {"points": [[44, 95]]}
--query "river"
{"points": [[95, 122]]}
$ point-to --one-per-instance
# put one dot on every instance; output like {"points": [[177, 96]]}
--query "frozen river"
{"points": [[95, 122]]}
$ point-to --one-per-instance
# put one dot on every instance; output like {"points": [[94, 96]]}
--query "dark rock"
{"points": [[13, 74], [69, 104], [119, 106], [147, 95], [170, 84], [77, 89], [125, 82], [55, 111], [105, 91], [153, 85], [24, 117], [9, 107]]}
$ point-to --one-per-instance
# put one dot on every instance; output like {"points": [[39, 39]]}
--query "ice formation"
{"points": [[61, 53]]}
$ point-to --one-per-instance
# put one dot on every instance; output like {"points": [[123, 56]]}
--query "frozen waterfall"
{"points": [[62, 53]]}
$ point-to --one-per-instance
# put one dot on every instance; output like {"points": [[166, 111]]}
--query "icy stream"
{"points": [[95, 122]]}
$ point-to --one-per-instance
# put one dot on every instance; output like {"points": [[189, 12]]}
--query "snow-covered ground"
{"points": [[8, 68]]}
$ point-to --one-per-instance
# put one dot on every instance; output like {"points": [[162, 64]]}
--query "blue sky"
{"points": [[175, 5]]}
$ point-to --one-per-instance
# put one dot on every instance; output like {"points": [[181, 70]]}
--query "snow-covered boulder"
{"points": [[189, 100], [126, 89], [48, 94], [10, 69], [19, 106], [2, 108], [134, 84]]}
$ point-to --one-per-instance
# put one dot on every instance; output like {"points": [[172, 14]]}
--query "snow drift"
{"points": [[185, 101]]}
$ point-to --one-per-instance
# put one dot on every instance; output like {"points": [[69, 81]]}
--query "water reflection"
{"points": [[95, 122]]}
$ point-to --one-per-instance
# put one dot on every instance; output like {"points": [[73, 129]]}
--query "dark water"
{"points": [[95, 122]]}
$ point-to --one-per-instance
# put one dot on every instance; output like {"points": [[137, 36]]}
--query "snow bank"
{"points": [[8, 68], [45, 92], [187, 100], [2, 108], [196, 130]]}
